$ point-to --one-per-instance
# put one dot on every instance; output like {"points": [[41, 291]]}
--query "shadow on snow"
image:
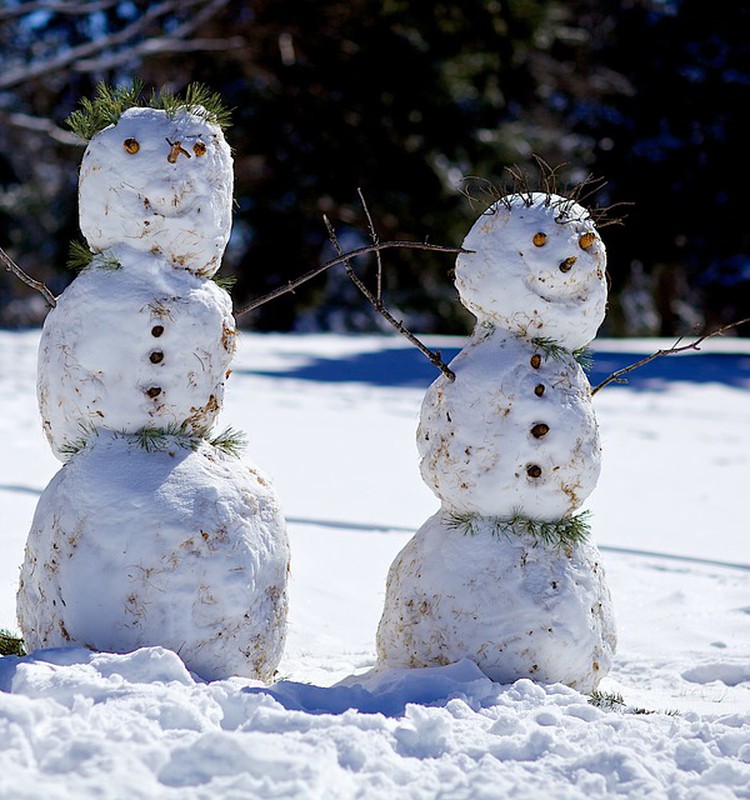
{"points": [[388, 691], [406, 367]]}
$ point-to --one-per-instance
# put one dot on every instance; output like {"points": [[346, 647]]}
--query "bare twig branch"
{"points": [[375, 239], [434, 357], [176, 41], [56, 7], [290, 287], [40, 125], [11, 266], [159, 45], [73, 55], [616, 377]]}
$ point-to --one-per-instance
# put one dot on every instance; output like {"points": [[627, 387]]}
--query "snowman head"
{"points": [[159, 181], [537, 269]]}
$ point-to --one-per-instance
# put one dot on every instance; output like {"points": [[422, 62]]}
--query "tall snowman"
{"points": [[153, 532], [503, 574]]}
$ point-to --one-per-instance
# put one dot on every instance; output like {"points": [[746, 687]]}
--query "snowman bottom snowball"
{"points": [[517, 607], [186, 549]]}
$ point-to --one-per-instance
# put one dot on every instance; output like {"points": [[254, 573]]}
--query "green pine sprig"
{"points": [[153, 439], [197, 99], [550, 348], [584, 357], [613, 701], [560, 533], [10, 644], [225, 282], [81, 258], [554, 350], [109, 103], [230, 441], [105, 109]]}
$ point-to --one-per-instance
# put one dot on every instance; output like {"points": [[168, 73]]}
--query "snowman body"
{"points": [[177, 547], [139, 346], [512, 439], [149, 534], [484, 437]]}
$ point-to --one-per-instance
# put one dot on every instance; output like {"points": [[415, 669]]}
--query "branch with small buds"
{"points": [[376, 299], [617, 376], [11, 266], [291, 286]]}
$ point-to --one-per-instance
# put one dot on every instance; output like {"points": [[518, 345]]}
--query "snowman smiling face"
{"points": [[159, 183], [537, 269]]}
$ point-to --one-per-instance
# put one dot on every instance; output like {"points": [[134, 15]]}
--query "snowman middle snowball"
{"points": [[511, 448]]}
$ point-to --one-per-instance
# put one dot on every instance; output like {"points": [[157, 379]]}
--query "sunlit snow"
{"points": [[332, 420]]}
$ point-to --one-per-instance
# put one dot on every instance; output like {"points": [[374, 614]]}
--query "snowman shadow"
{"points": [[729, 369], [407, 368], [395, 367], [388, 691]]}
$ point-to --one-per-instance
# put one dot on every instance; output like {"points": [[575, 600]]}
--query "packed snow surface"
{"points": [[161, 183], [332, 421]]}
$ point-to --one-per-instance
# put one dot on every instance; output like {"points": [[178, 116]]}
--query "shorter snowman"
{"points": [[503, 574], [153, 532]]}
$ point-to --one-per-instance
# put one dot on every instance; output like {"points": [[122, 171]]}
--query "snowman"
{"points": [[153, 532], [503, 574]]}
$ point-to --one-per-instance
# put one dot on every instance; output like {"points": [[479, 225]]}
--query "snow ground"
{"points": [[332, 420]]}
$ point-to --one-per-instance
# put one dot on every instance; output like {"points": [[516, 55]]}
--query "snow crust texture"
{"points": [[162, 184], [181, 548], [77, 725], [85, 725], [536, 270], [516, 606], [139, 346]]}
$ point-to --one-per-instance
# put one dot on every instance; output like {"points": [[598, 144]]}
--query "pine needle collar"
{"points": [[564, 532], [552, 349], [230, 442], [81, 258], [109, 104]]}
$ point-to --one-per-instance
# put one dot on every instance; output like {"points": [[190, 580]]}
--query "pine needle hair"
{"points": [[110, 103]]}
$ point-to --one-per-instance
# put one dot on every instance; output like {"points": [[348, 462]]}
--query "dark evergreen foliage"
{"points": [[10, 644], [405, 100]]}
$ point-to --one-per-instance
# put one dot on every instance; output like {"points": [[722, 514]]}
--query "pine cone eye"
{"points": [[199, 148], [131, 145], [586, 240], [540, 239]]}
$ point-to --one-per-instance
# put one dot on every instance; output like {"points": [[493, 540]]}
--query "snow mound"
{"points": [[514, 605], [77, 724]]}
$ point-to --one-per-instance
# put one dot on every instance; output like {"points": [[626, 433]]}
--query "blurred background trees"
{"points": [[405, 101]]}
